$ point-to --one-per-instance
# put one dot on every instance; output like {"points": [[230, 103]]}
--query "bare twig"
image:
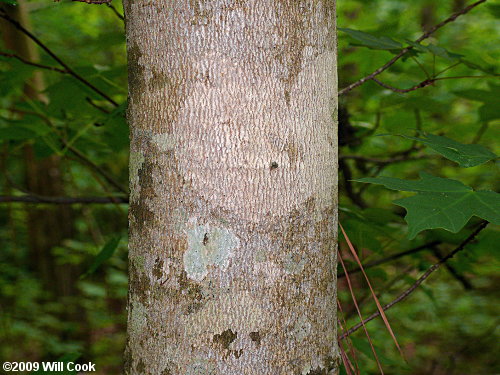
{"points": [[424, 83], [62, 200], [357, 199], [95, 167], [24, 61], [389, 258], [99, 2], [422, 278], [69, 70], [383, 161], [453, 272], [118, 14], [91, 1], [405, 50]]}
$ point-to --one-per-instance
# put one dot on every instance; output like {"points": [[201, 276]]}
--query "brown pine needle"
{"points": [[343, 325], [379, 306], [348, 279]]}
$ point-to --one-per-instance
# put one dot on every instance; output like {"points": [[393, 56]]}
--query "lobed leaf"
{"points": [[372, 41], [441, 203]]}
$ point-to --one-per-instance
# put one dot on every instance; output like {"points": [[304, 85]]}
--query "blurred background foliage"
{"points": [[63, 268]]}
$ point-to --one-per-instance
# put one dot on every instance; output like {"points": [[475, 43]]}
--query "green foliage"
{"points": [[106, 253], [467, 155], [372, 41], [441, 203], [444, 326]]}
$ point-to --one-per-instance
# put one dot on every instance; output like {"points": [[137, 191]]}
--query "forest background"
{"points": [[64, 177]]}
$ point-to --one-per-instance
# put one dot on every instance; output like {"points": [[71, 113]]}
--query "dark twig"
{"points": [[99, 2], [422, 84], [115, 11], [91, 1], [62, 200], [376, 160], [91, 102], [24, 61], [405, 50], [357, 199], [392, 257], [95, 167], [70, 71], [422, 278], [453, 272]]}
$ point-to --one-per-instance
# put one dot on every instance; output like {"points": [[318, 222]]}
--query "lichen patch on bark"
{"points": [[208, 246]]}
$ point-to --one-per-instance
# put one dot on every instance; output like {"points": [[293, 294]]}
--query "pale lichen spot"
{"points": [[294, 263], [136, 161], [301, 329], [269, 270], [208, 246], [137, 318], [164, 141]]}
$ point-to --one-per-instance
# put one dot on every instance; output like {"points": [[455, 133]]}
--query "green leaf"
{"points": [[490, 110], [106, 253], [441, 203], [450, 211], [428, 183], [10, 2], [467, 155], [435, 50], [494, 10], [372, 41]]}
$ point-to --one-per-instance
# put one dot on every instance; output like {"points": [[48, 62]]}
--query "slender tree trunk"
{"points": [[233, 174]]}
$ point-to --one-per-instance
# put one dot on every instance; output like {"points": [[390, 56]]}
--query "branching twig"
{"points": [[24, 61], [405, 50], [422, 278], [383, 161], [99, 2], [91, 1], [423, 84], [389, 258], [62, 200], [118, 14], [357, 199], [70, 71]]}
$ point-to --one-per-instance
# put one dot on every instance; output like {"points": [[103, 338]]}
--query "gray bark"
{"points": [[233, 177]]}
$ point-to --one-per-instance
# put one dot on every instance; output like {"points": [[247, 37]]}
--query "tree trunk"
{"points": [[233, 175]]}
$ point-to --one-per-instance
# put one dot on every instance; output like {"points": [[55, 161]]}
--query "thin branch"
{"points": [[392, 257], [357, 199], [41, 66], [91, 102], [99, 2], [405, 50], [383, 161], [91, 1], [95, 167], [422, 84], [70, 71], [422, 278], [115, 11], [453, 272], [62, 200], [480, 132]]}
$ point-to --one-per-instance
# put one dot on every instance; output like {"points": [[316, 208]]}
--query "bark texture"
{"points": [[233, 175]]}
